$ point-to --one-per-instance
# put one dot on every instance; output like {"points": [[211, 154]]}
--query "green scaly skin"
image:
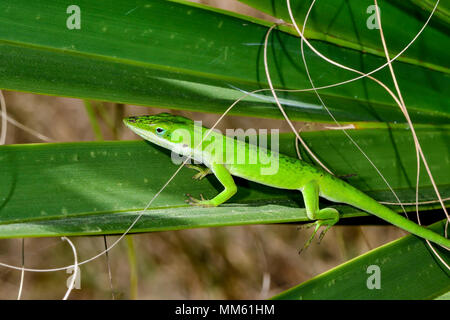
{"points": [[220, 154]]}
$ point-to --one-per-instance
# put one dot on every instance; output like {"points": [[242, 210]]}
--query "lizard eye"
{"points": [[160, 131]]}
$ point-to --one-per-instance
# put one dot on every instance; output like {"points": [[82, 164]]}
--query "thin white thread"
{"points": [[347, 127], [75, 268], [414, 203], [408, 119], [6, 118], [416, 142], [29, 130], [22, 274], [297, 149], [362, 75], [109, 268]]}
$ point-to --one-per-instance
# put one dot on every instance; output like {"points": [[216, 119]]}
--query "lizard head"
{"points": [[163, 129]]}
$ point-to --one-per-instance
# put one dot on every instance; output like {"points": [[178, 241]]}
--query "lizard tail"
{"points": [[372, 206], [408, 225], [340, 191]]}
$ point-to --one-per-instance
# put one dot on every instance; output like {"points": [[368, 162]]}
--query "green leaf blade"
{"points": [[83, 184], [136, 54], [408, 270]]}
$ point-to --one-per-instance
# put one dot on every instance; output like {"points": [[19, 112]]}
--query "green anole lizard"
{"points": [[219, 154]]}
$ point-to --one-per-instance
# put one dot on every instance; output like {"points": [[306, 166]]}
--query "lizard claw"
{"points": [[196, 202]]}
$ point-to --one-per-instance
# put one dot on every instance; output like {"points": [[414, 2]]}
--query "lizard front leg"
{"points": [[226, 180]]}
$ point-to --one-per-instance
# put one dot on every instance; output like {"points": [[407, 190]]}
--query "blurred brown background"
{"points": [[249, 262]]}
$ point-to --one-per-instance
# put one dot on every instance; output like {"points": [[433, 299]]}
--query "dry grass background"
{"points": [[248, 262]]}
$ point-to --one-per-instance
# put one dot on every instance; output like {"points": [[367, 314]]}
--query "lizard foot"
{"points": [[327, 223], [196, 202]]}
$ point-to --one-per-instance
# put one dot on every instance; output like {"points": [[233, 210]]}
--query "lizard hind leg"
{"points": [[326, 217]]}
